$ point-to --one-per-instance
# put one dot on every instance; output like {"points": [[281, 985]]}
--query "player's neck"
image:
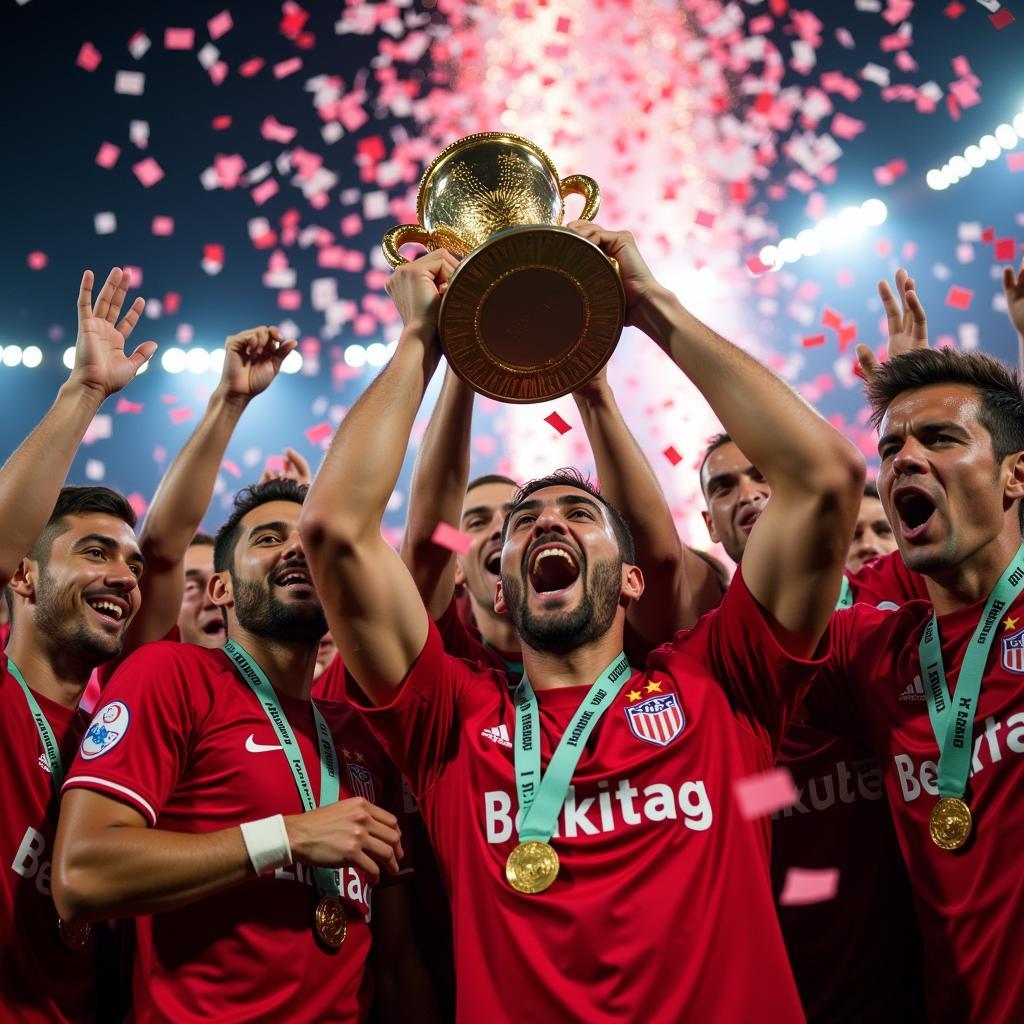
{"points": [[56, 674], [287, 664], [497, 630], [975, 578], [581, 667]]}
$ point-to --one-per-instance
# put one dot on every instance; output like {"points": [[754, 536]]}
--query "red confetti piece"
{"points": [[445, 536], [172, 303], [251, 67], [220, 24], [88, 57], [672, 455], [107, 155], [830, 318], [1005, 249], [847, 333], [765, 793], [179, 38], [1001, 19], [959, 298], [148, 171], [953, 10], [318, 434], [37, 260], [558, 423], [814, 340], [221, 122], [988, 235], [163, 225], [124, 405], [181, 414], [809, 885]]}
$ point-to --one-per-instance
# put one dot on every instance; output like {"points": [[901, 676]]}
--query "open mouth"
{"points": [[294, 579], [213, 627], [747, 518], [111, 609], [493, 563], [553, 570], [915, 510]]}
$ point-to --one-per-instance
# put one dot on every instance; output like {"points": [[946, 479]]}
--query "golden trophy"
{"points": [[534, 310]]}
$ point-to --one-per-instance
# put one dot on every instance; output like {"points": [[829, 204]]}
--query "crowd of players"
{"points": [[329, 781]]}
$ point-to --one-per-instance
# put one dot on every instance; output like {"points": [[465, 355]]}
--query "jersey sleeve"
{"points": [[418, 729], [763, 681], [137, 744], [887, 582]]}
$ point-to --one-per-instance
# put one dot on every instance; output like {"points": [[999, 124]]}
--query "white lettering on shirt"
{"points": [[824, 791], [28, 860], [351, 884]]}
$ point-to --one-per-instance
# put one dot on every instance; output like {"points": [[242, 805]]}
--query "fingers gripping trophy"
{"points": [[534, 309]]}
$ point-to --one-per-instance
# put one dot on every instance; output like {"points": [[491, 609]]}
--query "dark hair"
{"points": [[568, 477], [74, 501], [870, 490], [202, 538], [248, 498], [490, 478], [714, 443]]}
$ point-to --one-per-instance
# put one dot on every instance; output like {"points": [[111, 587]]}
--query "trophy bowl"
{"points": [[534, 310]]}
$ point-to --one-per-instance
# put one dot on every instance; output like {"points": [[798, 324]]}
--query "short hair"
{"points": [[490, 478], [871, 491], [569, 477], [248, 498], [999, 389], [202, 538], [74, 500], [715, 442]]}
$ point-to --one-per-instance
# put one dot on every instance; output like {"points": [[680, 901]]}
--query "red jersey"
{"points": [[662, 910], [182, 739], [42, 980], [887, 582], [970, 901]]}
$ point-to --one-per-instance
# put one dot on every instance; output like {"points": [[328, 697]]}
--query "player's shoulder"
{"points": [[169, 663], [879, 626]]}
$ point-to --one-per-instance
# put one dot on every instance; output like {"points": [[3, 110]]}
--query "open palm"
{"points": [[906, 322], [1013, 286], [101, 362]]}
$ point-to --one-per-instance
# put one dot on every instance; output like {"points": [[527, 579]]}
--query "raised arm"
{"points": [[794, 560], [674, 577], [252, 359], [905, 319], [1013, 287], [374, 610], [32, 477], [436, 493]]}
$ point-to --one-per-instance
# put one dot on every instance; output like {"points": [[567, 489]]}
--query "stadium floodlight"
{"points": [[292, 362], [988, 148], [173, 360], [32, 356]]}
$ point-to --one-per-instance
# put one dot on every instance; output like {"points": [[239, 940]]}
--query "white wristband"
{"points": [[267, 843]]}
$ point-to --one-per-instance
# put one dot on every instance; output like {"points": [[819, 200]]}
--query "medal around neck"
{"points": [[950, 823], [531, 867], [331, 925], [74, 936]]}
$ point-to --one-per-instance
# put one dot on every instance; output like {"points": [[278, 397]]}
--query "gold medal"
{"points": [[531, 867], [74, 936], [331, 925], [950, 823]]}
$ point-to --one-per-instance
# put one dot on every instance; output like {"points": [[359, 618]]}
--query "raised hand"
{"points": [[295, 468], [1013, 286], [908, 326], [252, 359], [101, 363]]}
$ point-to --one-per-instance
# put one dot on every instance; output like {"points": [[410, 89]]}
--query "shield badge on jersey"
{"points": [[658, 719], [362, 782], [1013, 652]]}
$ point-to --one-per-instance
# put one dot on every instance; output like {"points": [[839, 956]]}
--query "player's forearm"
{"points": [[124, 871], [186, 489], [775, 428], [439, 480], [32, 477], [350, 493]]}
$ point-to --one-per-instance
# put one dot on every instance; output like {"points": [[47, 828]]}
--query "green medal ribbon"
{"points": [[541, 797], [49, 741], [845, 594], [953, 720], [327, 879]]}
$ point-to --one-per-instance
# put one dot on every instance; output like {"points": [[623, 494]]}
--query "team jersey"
{"points": [[887, 581], [41, 978], [969, 902], [183, 740], [662, 911]]}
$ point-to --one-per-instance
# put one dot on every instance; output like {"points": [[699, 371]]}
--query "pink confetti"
{"points": [[37, 260], [221, 122], [264, 190], [125, 406], [445, 536], [251, 67], [959, 298], [274, 131], [220, 24], [181, 414], [287, 67], [558, 423], [672, 455], [759, 795], [179, 38], [806, 885], [953, 10], [1015, 161], [230, 467], [847, 127], [148, 171], [108, 155], [163, 225], [705, 218], [1005, 249], [88, 57], [316, 435]]}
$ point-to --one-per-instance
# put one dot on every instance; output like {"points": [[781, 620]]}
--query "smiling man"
{"points": [[936, 689], [597, 863]]}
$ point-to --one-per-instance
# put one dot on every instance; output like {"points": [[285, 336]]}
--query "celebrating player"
{"points": [[621, 882], [873, 536], [72, 564], [237, 820]]}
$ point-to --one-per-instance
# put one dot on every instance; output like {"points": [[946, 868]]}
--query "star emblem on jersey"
{"points": [[106, 730], [658, 719], [1009, 624], [1013, 652]]}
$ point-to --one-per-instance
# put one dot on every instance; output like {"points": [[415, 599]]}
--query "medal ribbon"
{"points": [[845, 594], [541, 797], [49, 741], [327, 879], [953, 720]]}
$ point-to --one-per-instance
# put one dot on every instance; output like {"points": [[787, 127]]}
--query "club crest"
{"points": [[361, 781], [106, 730], [1013, 652], [658, 719]]}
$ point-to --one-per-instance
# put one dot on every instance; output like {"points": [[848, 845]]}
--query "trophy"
{"points": [[534, 310]]}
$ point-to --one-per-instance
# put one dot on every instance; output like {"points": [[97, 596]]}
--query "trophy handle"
{"points": [[398, 236], [583, 185]]}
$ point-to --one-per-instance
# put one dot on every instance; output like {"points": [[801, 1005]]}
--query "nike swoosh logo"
{"points": [[257, 748]]}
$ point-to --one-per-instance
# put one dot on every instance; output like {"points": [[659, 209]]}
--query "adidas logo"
{"points": [[497, 734], [913, 693]]}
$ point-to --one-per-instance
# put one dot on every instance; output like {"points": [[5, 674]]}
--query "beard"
{"points": [[63, 625], [565, 631], [260, 612]]}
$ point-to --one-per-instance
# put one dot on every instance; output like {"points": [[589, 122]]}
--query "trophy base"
{"points": [[532, 314]]}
